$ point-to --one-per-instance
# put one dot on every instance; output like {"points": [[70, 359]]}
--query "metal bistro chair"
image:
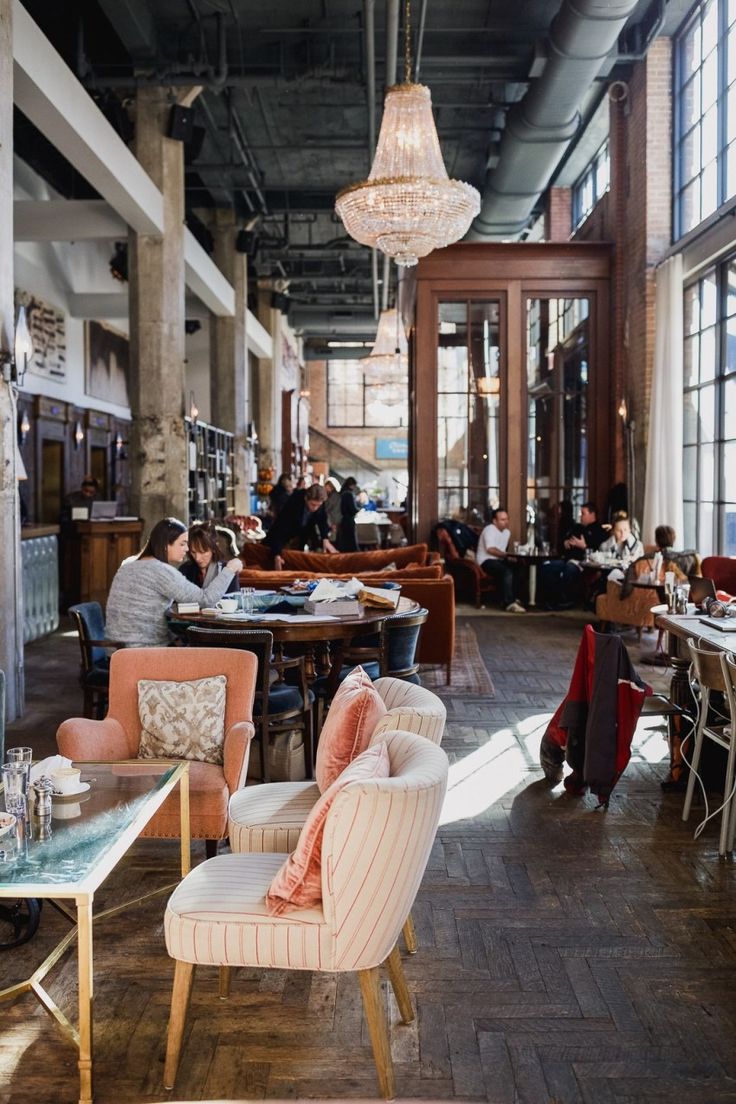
{"points": [[278, 706], [368, 534], [714, 673], [94, 676]]}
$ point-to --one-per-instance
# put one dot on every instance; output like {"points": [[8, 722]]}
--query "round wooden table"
{"points": [[322, 642]]}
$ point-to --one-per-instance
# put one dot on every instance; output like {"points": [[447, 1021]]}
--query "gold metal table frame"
{"points": [[81, 915]]}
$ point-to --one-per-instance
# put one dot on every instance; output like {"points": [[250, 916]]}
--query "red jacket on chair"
{"points": [[593, 727]]}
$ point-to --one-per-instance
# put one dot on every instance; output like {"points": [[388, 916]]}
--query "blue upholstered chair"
{"points": [[278, 706], [94, 674]]}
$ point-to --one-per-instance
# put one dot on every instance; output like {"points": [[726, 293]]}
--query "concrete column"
{"points": [[229, 398], [11, 597], [156, 271], [269, 388]]}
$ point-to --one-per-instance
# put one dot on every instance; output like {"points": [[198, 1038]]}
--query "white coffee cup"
{"points": [[227, 605], [66, 779]]}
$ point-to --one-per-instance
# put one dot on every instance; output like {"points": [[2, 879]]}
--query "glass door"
{"points": [[469, 394]]}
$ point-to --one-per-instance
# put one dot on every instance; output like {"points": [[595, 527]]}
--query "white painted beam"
{"points": [[257, 337], [50, 95], [52, 220], [108, 304], [46, 90]]}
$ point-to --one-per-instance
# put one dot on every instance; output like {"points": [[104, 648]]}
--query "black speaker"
{"points": [[280, 302], [246, 242], [181, 123]]}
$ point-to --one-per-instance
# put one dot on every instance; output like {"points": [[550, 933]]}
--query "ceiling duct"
{"points": [[541, 126]]}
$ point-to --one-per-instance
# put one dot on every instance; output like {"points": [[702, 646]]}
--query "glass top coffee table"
{"points": [[90, 834]]}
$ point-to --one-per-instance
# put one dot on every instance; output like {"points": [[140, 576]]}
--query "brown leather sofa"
{"points": [[423, 584], [260, 556]]}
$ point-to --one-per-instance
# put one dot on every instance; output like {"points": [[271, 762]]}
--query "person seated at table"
{"points": [[303, 520], [621, 545], [492, 557], [558, 577], [205, 559], [347, 537], [146, 585]]}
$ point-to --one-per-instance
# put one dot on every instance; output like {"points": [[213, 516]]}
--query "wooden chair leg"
{"points": [[224, 982], [410, 935], [210, 848], [183, 978], [370, 989], [401, 989]]}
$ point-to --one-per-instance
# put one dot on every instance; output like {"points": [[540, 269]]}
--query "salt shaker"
{"points": [[42, 791]]}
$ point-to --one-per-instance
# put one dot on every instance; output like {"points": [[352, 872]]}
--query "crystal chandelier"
{"points": [[408, 206], [390, 352]]}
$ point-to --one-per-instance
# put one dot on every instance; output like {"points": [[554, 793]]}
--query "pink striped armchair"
{"points": [[377, 838]]}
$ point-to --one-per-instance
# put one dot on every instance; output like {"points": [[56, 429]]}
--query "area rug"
{"points": [[469, 674]]}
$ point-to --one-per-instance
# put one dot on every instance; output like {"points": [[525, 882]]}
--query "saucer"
{"points": [[81, 789]]}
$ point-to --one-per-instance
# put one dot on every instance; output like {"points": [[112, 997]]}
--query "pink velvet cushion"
{"points": [[356, 709], [298, 883]]}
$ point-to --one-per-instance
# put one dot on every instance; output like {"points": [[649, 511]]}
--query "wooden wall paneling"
{"points": [[51, 425]]}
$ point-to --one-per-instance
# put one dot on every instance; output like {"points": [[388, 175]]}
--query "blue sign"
{"points": [[392, 448]]}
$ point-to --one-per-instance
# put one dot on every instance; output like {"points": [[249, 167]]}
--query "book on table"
{"points": [[187, 607]]}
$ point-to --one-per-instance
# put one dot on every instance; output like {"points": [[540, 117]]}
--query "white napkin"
{"points": [[47, 765]]}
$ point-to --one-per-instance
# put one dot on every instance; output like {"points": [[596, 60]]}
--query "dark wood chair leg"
{"points": [[210, 848]]}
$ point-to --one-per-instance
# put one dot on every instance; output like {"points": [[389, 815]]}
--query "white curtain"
{"points": [[663, 486]]}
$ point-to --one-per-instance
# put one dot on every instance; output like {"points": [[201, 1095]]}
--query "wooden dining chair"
{"points": [[279, 706], [94, 675]]}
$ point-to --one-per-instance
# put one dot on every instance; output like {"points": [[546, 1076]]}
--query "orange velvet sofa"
{"points": [[337, 563], [423, 584]]}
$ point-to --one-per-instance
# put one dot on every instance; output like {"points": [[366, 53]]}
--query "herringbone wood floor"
{"points": [[566, 955]]}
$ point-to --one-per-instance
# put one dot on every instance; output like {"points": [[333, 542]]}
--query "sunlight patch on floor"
{"points": [[481, 778]]}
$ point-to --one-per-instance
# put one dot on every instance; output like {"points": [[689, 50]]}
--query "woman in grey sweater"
{"points": [[145, 587]]}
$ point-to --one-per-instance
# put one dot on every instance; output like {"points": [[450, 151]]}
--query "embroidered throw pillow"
{"points": [[356, 709], [298, 883], [182, 720]]}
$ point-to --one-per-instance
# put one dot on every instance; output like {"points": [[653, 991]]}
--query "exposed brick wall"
{"points": [[636, 216], [558, 215]]}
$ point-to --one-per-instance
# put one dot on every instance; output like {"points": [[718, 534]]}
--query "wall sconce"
{"points": [[193, 410], [14, 364], [119, 447], [78, 435], [24, 427]]}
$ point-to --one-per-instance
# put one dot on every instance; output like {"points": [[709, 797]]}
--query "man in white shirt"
{"points": [[492, 557]]}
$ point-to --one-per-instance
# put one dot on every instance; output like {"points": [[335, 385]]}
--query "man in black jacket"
{"points": [[558, 577], [302, 520]]}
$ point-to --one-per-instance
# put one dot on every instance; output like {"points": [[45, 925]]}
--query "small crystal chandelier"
{"points": [[390, 352], [408, 206]]}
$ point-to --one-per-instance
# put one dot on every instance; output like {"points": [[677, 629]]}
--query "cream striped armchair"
{"points": [[377, 839]]}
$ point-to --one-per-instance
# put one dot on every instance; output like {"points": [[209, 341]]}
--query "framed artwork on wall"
{"points": [[106, 363], [47, 327]]}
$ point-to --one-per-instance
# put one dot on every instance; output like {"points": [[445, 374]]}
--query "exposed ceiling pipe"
{"points": [[392, 57], [370, 91], [420, 39], [541, 126]]}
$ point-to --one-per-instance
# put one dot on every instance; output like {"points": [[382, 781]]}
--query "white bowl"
{"points": [[7, 821]]}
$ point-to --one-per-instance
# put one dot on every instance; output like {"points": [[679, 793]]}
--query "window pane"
{"points": [[706, 420], [731, 344], [690, 366], [708, 354], [731, 11], [709, 189], [690, 49], [690, 101], [692, 307], [706, 474], [729, 409], [710, 27], [731, 99], [690, 206], [709, 299], [731, 168], [690, 540], [710, 80], [728, 526], [690, 418], [689, 474], [731, 288], [729, 471], [706, 513], [690, 154]]}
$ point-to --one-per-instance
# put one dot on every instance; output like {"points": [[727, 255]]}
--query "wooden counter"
{"points": [[96, 550]]}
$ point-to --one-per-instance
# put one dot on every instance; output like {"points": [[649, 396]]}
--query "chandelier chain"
{"points": [[407, 43]]}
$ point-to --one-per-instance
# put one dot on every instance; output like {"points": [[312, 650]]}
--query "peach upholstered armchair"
{"points": [[377, 837], [118, 736]]}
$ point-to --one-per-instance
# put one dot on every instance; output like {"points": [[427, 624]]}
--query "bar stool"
{"points": [[714, 672]]}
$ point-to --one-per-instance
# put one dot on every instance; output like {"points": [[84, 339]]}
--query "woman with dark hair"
{"points": [[205, 560], [347, 539], [145, 586], [279, 494], [664, 538]]}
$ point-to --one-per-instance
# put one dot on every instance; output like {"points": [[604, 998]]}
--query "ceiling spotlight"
{"points": [[119, 262]]}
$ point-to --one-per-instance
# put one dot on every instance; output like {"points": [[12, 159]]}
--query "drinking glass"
{"points": [[246, 599], [9, 847], [19, 755], [15, 786]]}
